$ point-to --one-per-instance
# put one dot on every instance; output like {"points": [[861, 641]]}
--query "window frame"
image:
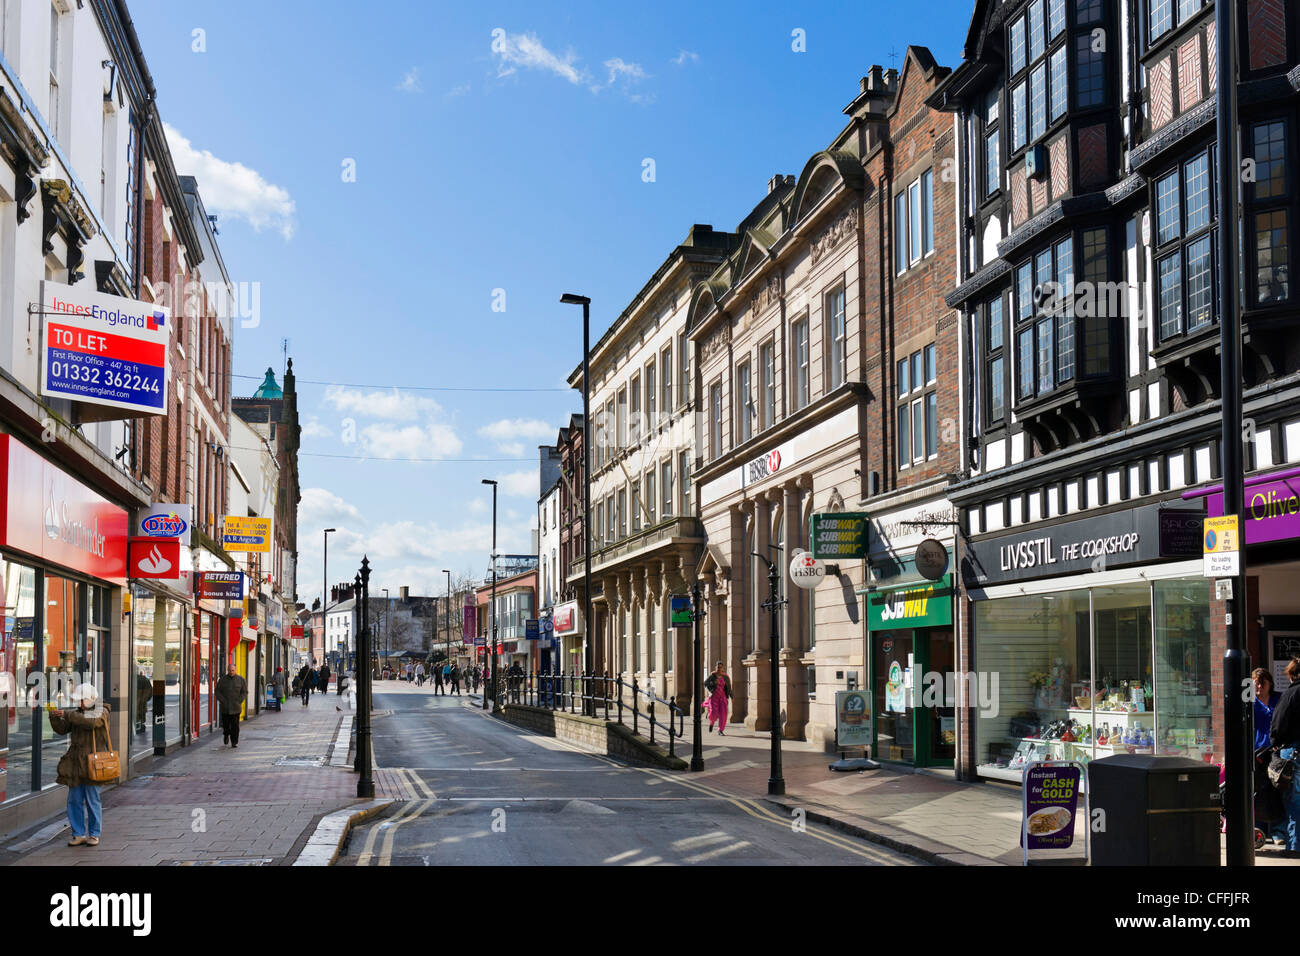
{"points": [[837, 350], [802, 363], [715, 419], [1175, 248], [767, 366], [916, 431], [1283, 202], [914, 222], [744, 403]]}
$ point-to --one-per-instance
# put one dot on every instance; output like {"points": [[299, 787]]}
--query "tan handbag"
{"points": [[104, 766]]}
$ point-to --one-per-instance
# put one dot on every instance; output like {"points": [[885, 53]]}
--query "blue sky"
{"points": [[510, 161]]}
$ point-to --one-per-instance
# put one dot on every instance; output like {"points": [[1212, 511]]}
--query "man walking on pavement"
{"points": [[232, 691], [455, 679], [323, 680], [304, 686], [419, 674], [437, 679]]}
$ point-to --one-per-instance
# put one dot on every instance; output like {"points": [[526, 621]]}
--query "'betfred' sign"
{"points": [[103, 349]]}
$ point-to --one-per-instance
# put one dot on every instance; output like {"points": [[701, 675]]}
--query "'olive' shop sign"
{"points": [[1135, 536], [916, 605]]}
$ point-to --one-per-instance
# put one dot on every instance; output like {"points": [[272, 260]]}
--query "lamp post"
{"points": [[325, 594], [697, 680], [1238, 752], [775, 781], [496, 703], [588, 657], [388, 624], [366, 783], [447, 614]]}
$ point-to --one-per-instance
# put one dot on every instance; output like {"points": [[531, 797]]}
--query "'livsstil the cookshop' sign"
{"points": [[1135, 536]]}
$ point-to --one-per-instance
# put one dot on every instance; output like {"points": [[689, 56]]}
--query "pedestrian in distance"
{"points": [[304, 683], [278, 684], [232, 691], [473, 679], [455, 679], [323, 678], [718, 685], [438, 683], [84, 726], [419, 674], [445, 671]]}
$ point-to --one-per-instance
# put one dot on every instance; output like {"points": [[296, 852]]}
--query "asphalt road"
{"points": [[491, 794]]}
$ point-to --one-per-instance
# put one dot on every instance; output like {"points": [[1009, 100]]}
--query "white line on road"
{"points": [[713, 854]]}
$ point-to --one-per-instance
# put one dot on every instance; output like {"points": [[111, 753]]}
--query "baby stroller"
{"points": [[1268, 807], [272, 701]]}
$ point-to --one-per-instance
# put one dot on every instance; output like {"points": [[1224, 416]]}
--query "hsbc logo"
{"points": [[763, 467]]}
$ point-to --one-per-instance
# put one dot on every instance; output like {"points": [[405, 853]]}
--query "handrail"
{"points": [[570, 692]]}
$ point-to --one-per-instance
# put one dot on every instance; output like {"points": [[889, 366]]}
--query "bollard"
{"points": [[635, 706], [652, 720]]}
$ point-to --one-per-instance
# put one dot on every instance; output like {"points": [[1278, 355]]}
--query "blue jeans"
{"points": [[81, 798], [1292, 801]]}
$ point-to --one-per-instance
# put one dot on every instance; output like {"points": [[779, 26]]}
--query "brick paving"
{"points": [[208, 802]]}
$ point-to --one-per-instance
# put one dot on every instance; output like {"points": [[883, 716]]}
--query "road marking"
{"points": [[386, 854], [715, 853], [619, 857], [697, 842], [419, 783], [367, 852]]}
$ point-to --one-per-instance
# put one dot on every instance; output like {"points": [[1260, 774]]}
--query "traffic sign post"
{"points": [[1222, 540]]}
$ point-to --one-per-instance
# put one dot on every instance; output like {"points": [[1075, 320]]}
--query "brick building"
{"points": [[1089, 291]]}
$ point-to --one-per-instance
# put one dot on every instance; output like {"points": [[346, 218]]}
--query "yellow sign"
{"points": [[247, 534], [1222, 535]]}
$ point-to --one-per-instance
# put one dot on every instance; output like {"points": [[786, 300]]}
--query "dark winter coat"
{"points": [[1285, 729], [232, 691], [86, 735], [711, 682]]}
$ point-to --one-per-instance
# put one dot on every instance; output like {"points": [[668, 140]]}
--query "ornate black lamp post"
{"points": [[588, 656], [774, 602], [697, 694]]}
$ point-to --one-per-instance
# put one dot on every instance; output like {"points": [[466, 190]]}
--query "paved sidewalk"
{"points": [[209, 803], [929, 813]]}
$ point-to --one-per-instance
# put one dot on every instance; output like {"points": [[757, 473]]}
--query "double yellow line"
{"points": [[410, 811], [766, 814]]}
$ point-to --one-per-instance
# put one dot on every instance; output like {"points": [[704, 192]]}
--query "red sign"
{"points": [[47, 513], [156, 558], [562, 618], [295, 630]]}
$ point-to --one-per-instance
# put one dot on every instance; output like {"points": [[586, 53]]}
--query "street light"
{"points": [[496, 703], [325, 594], [447, 615], [388, 624], [776, 780], [697, 678], [588, 658]]}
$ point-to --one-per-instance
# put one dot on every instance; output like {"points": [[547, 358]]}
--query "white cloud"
{"points": [[431, 440], [508, 429], [523, 484], [685, 56], [232, 189], [515, 50], [394, 405], [477, 506], [320, 508], [312, 428], [411, 81], [458, 90], [619, 69]]}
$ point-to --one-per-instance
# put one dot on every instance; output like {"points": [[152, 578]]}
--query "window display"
{"points": [[1094, 672]]}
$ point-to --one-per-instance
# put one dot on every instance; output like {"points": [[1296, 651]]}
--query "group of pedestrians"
{"points": [[1277, 739], [311, 679]]}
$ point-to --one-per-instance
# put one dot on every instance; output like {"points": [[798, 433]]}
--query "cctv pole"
{"points": [[1238, 752]]}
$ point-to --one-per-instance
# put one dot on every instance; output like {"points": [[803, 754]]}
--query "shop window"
{"points": [[1183, 672], [1185, 281]]}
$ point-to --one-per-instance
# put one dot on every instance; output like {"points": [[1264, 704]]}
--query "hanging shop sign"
{"points": [[916, 605], [839, 536], [103, 349], [470, 618], [158, 558], [219, 585], [164, 521], [50, 515], [1272, 508], [852, 719], [565, 618], [806, 571], [295, 631], [1118, 539], [680, 605], [246, 534], [931, 559], [531, 630]]}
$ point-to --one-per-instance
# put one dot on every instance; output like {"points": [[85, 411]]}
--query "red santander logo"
{"points": [[158, 558]]}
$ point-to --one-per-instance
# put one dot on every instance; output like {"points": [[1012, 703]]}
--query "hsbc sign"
{"points": [[762, 467]]}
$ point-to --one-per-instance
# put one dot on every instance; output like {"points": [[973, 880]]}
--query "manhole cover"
{"points": [[299, 761], [258, 861]]}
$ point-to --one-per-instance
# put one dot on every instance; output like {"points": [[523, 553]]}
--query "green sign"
{"points": [[852, 719], [839, 535], [928, 604], [681, 610]]}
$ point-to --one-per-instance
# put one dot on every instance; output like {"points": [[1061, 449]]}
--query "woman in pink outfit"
{"points": [[718, 684]]}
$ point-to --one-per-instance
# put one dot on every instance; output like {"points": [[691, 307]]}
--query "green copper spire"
{"points": [[268, 388]]}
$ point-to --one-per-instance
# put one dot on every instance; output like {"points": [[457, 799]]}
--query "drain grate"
{"points": [[300, 760], [255, 861]]}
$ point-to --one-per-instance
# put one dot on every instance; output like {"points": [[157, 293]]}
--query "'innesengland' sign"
{"points": [[103, 349]]}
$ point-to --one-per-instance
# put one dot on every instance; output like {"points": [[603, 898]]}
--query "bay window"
{"points": [[1185, 248]]}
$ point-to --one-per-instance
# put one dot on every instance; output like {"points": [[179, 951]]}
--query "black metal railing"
{"points": [[570, 693]]}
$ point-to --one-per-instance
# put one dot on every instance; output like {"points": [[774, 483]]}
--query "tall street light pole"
{"points": [[496, 703], [1238, 752], [325, 593], [588, 656], [388, 624], [697, 679], [447, 613], [776, 779], [366, 782]]}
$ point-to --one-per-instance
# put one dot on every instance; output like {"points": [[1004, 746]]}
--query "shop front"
{"points": [[566, 645], [215, 585], [62, 568], [1091, 637], [160, 628], [1271, 531]]}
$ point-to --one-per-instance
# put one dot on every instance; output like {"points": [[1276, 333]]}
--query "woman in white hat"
{"points": [[85, 727]]}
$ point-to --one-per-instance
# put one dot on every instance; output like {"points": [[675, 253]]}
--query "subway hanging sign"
{"points": [[926, 604], [103, 349], [839, 535]]}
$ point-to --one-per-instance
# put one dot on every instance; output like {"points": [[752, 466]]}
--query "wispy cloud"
{"points": [[522, 484], [686, 56], [395, 405], [411, 81], [515, 51], [620, 69], [430, 440], [232, 189], [459, 90], [313, 428]]}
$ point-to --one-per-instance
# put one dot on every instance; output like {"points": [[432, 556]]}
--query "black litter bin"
{"points": [[1160, 811]]}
